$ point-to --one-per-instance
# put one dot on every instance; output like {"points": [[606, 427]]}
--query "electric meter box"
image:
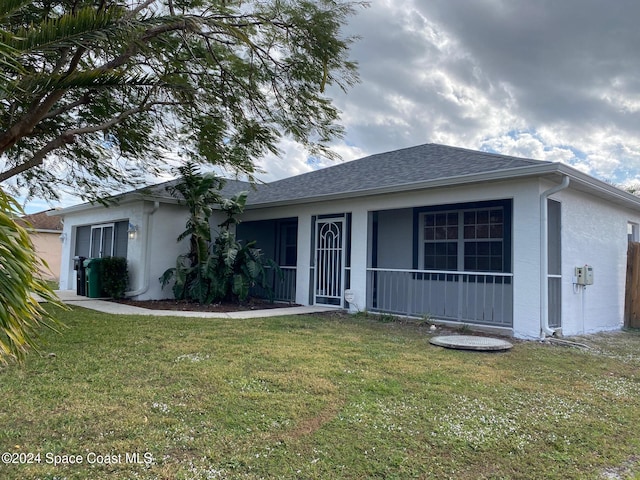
{"points": [[584, 275]]}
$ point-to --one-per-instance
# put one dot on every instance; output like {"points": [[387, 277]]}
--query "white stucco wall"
{"points": [[130, 212], [594, 232], [526, 260], [148, 255], [165, 225]]}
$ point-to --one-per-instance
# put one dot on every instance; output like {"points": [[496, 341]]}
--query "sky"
{"points": [[546, 79]]}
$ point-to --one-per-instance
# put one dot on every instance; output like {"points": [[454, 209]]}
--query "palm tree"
{"points": [[21, 315]]}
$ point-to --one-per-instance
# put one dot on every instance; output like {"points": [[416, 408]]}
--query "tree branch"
{"points": [[39, 108], [144, 38], [25, 125], [38, 157], [82, 101], [70, 136]]}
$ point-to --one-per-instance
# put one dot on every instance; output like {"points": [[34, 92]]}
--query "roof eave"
{"points": [[599, 188], [511, 173], [587, 182], [116, 201]]}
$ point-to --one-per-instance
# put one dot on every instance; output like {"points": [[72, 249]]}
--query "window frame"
{"points": [[421, 214], [102, 227]]}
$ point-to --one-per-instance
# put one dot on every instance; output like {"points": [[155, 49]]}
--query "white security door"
{"points": [[329, 272]]}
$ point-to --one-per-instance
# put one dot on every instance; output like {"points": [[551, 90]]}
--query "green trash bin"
{"points": [[93, 270]]}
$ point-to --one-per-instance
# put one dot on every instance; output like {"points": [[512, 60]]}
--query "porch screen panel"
{"points": [[554, 279], [278, 241], [461, 268], [288, 244]]}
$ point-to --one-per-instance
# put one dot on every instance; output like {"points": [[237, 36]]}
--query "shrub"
{"points": [[115, 276]]}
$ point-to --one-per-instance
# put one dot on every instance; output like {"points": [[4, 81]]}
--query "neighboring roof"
{"points": [[423, 166], [42, 222]]}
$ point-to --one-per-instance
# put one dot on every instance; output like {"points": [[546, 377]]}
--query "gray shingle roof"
{"points": [[389, 170], [230, 188], [399, 167], [419, 167]]}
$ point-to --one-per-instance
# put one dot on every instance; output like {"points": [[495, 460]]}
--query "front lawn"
{"points": [[326, 396]]}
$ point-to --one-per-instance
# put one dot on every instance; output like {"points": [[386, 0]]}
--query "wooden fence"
{"points": [[632, 291]]}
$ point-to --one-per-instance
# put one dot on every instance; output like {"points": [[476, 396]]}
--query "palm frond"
{"points": [[85, 26], [87, 79], [21, 316], [7, 7]]}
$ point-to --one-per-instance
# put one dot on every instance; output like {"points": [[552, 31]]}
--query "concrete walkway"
{"points": [[70, 298]]}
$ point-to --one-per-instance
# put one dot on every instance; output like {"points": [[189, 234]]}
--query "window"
{"points": [[441, 232], [101, 240], [471, 237], [288, 244], [483, 240]]}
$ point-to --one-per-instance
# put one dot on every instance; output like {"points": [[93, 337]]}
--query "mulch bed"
{"points": [[186, 306]]}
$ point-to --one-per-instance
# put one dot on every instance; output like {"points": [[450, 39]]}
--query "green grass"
{"points": [[314, 397]]}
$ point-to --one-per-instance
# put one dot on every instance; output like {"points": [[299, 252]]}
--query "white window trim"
{"points": [[101, 227]]}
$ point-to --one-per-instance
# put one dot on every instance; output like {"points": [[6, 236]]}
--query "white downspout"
{"points": [[147, 253], [544, 258]]}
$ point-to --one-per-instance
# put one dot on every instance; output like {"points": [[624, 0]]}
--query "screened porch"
{"points": [[278, 241], [448, 262]]}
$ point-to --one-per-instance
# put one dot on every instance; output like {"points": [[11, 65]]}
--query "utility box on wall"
{"points": [[584, 275]]}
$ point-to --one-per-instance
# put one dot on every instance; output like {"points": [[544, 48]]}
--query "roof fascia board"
{"points": [[123, 199], [599, 187], [44, 230]]}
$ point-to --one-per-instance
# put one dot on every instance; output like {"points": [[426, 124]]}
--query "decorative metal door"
{"points": [[329, 272]]}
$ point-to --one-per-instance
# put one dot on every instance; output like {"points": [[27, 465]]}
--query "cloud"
{"points": [[548, 80], [551, 80]]}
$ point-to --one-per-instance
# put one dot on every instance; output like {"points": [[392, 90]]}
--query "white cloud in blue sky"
{"points": [[551, 80]]}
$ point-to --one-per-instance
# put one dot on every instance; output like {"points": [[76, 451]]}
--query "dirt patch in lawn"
{"points": [[186, 306]]}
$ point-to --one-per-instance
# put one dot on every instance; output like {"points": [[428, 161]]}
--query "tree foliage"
{"points": [[96, 92]]}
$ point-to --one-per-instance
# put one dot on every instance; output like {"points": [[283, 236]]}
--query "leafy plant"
{"points": [[21, 316], [223, 269], [233, 268], [115, 276]]}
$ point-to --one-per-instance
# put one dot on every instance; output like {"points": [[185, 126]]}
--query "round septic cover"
{"points": [[469, 342]]}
